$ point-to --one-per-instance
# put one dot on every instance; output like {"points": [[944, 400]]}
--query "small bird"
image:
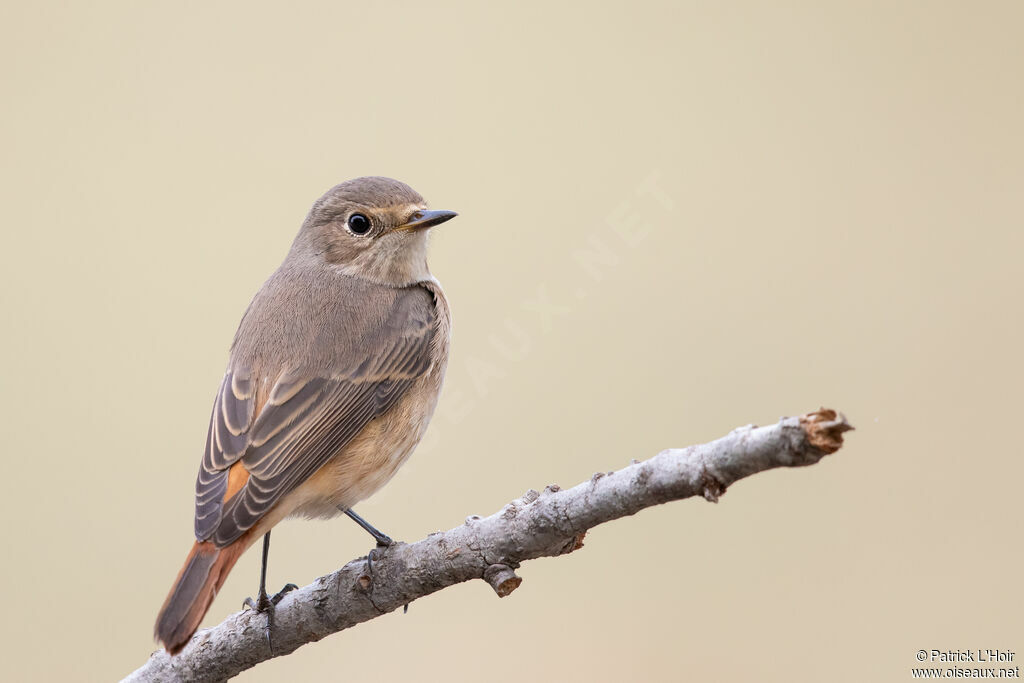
{"points": [[333, 375]]}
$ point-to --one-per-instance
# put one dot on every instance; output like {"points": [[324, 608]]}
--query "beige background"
{"points": [[674, 220]]}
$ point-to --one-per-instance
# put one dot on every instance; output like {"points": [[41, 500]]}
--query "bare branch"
{"points": [[544, 524]]}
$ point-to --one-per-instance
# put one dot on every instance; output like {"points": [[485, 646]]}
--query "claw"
{"points": [[279, 596], [369, 562], [266, 604]]}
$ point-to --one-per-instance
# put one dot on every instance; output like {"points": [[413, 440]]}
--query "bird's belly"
{"points": [[371, 458]]}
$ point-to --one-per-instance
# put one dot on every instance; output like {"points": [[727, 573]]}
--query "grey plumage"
{"points": [[351, 352], [333, 375]]}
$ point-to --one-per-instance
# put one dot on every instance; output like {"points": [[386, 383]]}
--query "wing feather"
{"points": [[306, 420]]}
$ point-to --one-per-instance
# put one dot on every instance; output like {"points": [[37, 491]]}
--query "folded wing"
{"points": [[306, 420]]}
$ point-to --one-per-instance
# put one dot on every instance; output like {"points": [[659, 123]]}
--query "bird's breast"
{"points": [[373, 456]]}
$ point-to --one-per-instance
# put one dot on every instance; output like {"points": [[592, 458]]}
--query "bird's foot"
{"points": [[370, 555], [383, 543], [266, 603]]}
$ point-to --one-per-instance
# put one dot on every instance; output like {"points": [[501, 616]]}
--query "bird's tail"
{"points": [[205, 570]]}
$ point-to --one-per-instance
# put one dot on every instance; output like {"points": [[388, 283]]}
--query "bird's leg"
{"points": [[383, 540], [263, 602]]}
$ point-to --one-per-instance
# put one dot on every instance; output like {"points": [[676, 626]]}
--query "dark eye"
{"points": [[358, 224]]}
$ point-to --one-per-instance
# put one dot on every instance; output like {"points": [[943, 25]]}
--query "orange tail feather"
{"points": [[205, 571]]}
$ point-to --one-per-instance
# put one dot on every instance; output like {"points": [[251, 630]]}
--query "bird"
{"points": [[332, 378]]}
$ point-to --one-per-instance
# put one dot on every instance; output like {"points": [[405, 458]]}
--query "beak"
{"points": [[427, 219]]}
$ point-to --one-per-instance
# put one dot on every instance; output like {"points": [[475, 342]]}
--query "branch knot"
{"points": [[503, 579], [712, 488]]}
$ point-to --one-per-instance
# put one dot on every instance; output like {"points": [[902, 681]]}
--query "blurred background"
{"points": [[675, 219]]}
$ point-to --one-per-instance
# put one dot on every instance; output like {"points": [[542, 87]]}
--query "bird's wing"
{"points": [[306, 419]]}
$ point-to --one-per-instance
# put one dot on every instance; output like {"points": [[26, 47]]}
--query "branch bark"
{"points": [[544, 524]]}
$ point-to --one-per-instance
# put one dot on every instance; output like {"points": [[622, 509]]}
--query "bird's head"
{"points": [[373, 228]]}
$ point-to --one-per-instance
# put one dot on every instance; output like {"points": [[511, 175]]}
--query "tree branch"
{"points": [[545, 524]]}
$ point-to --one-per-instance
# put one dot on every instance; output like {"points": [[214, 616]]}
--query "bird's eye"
{"points": [[358, 224]]}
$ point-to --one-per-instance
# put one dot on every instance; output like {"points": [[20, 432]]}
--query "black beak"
{"points": [[427, 219]]}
